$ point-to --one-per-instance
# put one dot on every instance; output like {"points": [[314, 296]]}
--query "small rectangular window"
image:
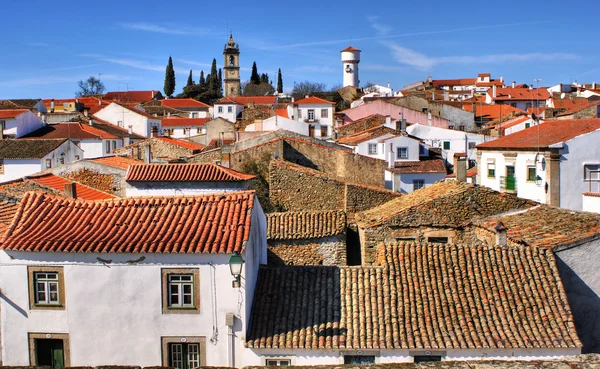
{"points": [[324, 132], [423, 359], [76, 157], [181, 290], [230, 109], [46, 288], [418, 184], [1, 166], [311, 114], [61, 161], [107, 147], [278, 362], [220, 109], [461, 128], [531, 173], [359, 359], [471, 145], [591, 172], [491, 169], [450, 127], [446, 145], [372, 149], [299, 113], [194, 115], [114, 145], [324, 113], [402, 153], [120, 123], [48, 163], [437, 239], [527, 125]]}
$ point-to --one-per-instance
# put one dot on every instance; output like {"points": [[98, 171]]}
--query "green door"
{"points": [[50, 352], [58, 356], [510, 178]]}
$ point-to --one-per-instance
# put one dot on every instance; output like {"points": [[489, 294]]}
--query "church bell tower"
{"points": [[231, 80]]}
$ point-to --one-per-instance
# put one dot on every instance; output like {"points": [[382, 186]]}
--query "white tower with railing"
{"points": [[350, 60]]}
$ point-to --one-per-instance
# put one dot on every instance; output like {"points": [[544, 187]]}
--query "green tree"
{"points": [[190, 81], [254, 77], [307, 88], [91, 86], [279, 82], [261, 89], [169, 79], [202, 81], [213, 80], [220, 83]]}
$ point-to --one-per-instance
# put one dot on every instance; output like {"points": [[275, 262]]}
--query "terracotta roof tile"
{"points": [[184, 122], [182, 143], [28, 149], [72, 130], [442, 204], [122, 162], [183, 103], [493, 111], [8, 209], [11, 113], [58, 183], [313, 100], [419, 166], [184, 172], [544, 135], [455, 82], [130, 96], [305, 225], [350, 48], [217, 223], [425, 296], [511, 94], [245, 100], [367, 135], [547, 226]]}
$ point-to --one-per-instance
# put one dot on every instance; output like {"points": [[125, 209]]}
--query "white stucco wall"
{"points": [[22, 125], [275, 123], [319, 119], [225, 114], [15, 168], [404, 182], [435, 137], [178, 132], [591, 203], [137, 189], [141, 124]]}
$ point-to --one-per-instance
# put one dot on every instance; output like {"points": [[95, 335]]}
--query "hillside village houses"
{"points": [[329, 228]]}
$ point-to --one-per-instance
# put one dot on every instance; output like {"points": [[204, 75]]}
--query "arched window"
{"points": [[230, 59]]}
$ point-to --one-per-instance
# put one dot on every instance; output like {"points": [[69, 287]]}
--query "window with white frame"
{"points": [[531, 173], [471, 145], [230, 109], [278, 362], [591, 172], [491, 169], [48, 163], [194, 115], [311, 114], [299, 113], [114, 145], [402, 153], [220, 109], [181, 290], [184, 355], [46, 288], [324, 113], [372, 149], [107, 147], [418, 184]]}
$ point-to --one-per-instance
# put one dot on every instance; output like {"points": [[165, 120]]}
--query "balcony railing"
{"points": [[313, 120], [508, 183]]}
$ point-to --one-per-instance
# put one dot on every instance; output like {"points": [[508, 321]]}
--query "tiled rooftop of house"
{"points": [[130, 96], [578, 108], [121, 162], [183, 103], [72, 130], [443, 203], [305, 225], [184, 122], [245, 100], [8, 208], [11, 113], [492, 111], [427, 296], [202, 224], [58, 183], [313, 100], [195, 147], [28, 149], [368, 135], [193, 172], [509, 93], [547, 226], [544, 135], [423, 165]]}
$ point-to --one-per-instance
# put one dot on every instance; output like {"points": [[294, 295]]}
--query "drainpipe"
{"points": [[229, 322]]}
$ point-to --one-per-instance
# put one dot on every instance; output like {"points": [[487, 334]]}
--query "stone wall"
{"points": [[457, 117], [360, 125], [360, 198], [158, 149], [210, 156], [99, 176], [318, 251], [591, 112]]}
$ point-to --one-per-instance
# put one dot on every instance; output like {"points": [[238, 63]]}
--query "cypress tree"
{"points": [[190, 81], [169, 87], [213, 79], [220, 83], [254, 77], [202, 80], [279, 82]]}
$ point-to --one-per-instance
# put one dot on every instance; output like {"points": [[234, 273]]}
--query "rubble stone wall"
{"points": [[319, 251], [101, 177], [360, 198]]}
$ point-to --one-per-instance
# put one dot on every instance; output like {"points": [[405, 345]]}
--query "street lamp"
{"points": [[235, 267], [538, 180]]}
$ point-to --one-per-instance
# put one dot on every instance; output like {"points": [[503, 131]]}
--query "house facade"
{"points": [[228, 109], [195, 108], [16, 123], [317, 113], [128, 117], [183, 127], [553, 163], [158, 300]]}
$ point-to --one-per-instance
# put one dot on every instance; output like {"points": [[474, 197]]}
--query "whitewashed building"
{"points": [[183, 179], [317, 113], [184, 127], [146, 282], [20, 158], [228, 109], [553, 163], [277, 122], [16, 123], [196, 109], [130, 118]]}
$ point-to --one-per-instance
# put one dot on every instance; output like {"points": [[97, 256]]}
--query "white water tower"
{"points": [[350, 60]]}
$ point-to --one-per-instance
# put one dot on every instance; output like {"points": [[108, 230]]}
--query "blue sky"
{"points": [[48, 48]]}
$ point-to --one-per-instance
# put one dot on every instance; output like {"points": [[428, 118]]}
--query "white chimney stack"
{"points": [[494, 91], [514, 84], [91, 122]]}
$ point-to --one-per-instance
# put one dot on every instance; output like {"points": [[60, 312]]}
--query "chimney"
{"points": [[494, 91], [306, 96], [70, 190], [153, 94], [391, 156], [501, 237], [403, 125], [593, 85], [514, 84], [292, 99], [77, 101], [446, 95], [52, 106], [85, 113], [531, 87], [130, 129], [501, 79], [44, 119], [91, 122], [460, 167], [388, 121], [148, 154], [169, 115]]}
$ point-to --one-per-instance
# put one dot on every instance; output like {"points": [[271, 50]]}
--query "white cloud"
{"points": [[423, 62], [169, 29], [193, 63], [382, 29]]}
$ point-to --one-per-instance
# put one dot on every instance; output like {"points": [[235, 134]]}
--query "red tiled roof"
{"points": [[182, 143], [245, 100], [217, 223], [592, 194], [58, 183], [130, 96], [492, 111], [301, 225], [72, 130], [419, 166], [184, 122], [313, 100], [544, 135], [454, 82], [515, 121], [193, 172], [11, 113], [350, 48], [8, 209], [509, 93], [282, 113], [87, 101], [218, 143], [133, 108], [423, 296], [183, 103], [122, 162], [367, 135]]}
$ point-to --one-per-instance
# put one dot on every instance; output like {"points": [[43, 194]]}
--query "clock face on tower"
{"points": [[232, 72]]}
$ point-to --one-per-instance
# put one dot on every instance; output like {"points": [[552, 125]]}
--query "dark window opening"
{"points": [[424, 359], [352, 248], [355, 359], [437, 240], [49, 352]]}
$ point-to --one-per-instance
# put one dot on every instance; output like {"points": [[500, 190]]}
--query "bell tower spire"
{"points": [[231, 54]]}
